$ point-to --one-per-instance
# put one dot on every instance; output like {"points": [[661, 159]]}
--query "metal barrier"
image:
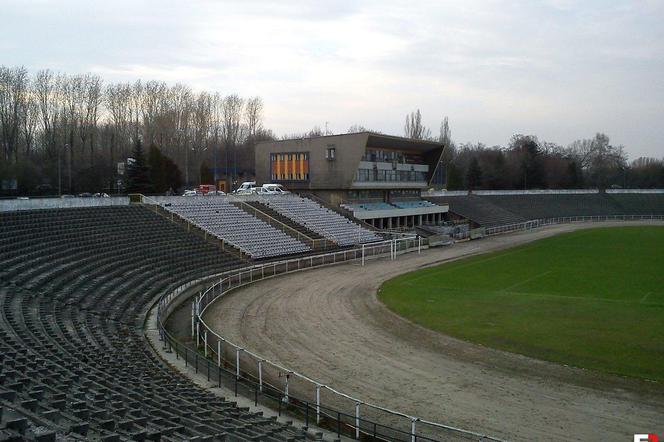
{"points": [[242, 370], [532, 224]]}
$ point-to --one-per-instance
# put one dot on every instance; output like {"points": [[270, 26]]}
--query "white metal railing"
{"points": [[215, 346], [528, 225]]}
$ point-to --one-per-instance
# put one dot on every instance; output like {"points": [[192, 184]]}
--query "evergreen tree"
{"points": [[156, 165], [454, 177], [138, 173], [474, 174], [206, 174], [164, 173]]}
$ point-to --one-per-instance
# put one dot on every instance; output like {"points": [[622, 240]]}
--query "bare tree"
{"points": [[596, 157], [91, 97], [253, 117], [13, 88], [231, 127], [46, 90], [29, 119], [414, 128]]}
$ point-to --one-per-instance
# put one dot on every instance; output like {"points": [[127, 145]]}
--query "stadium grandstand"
{"points": [[374, 177], [495, 208], [74, 288], [77, 283], [231, 218]]}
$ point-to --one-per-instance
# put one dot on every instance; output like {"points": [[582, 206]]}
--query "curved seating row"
{"points": [[74, 363]]}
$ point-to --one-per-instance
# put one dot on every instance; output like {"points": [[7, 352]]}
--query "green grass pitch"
{"points": [[591, 298]]}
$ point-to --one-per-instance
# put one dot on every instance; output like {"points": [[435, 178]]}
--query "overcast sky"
{"points": [[559, 69]]}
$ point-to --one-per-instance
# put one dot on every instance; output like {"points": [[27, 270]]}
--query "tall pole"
{"points": [[59, 172], [68, 147], [215, 165], [186, 166]]}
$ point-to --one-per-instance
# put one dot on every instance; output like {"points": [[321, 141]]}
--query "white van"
{"points": [[272, 189], [246, 188]]}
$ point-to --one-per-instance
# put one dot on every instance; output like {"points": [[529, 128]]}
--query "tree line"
{"points": [[64, 133], [68, 133], [529, 163]]}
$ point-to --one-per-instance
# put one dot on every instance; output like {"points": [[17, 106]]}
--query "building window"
{"points": [[289, 166], [330, 153]]}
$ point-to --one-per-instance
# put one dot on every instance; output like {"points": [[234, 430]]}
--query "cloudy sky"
{"points": [[558, 69]]}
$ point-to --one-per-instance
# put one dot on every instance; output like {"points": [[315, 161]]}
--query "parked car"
{"points": [[272, 189], [101, 195], [215, 192], [246, 188], [189, 193]]}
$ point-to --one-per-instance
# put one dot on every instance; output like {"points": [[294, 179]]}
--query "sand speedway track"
{"points": [[328, 324]]}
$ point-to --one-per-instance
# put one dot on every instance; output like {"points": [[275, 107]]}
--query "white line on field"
{"points": [[645, 297], [526, 280]]}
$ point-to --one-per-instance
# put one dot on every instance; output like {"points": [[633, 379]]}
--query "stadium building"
{"points": [[379, 178]]}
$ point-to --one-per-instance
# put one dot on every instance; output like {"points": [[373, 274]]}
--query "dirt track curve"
{"points": [[328, 324]]}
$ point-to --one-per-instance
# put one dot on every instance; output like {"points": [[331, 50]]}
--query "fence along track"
{"points": [[248, 367], [215, 347]]}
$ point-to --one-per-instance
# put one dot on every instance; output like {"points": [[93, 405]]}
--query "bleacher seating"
{"points": [[639, 203], [406, 204], [321, 220], [413, 204], [235, 226], [74, 364], [556, 205], [368, 206], [479, 210], [495, 210], [285, 220]]}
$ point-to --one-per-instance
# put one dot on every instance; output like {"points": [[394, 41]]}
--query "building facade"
{"points": [[369, 173]]}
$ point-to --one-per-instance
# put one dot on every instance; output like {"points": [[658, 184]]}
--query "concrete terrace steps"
{"points": [[478, 210], [74, 362], [285, 220]]}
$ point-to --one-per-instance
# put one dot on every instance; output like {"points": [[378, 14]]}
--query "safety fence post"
{"points": [[318, 404], [193, 319], [237, 363], [205, 342], [260, 376]]}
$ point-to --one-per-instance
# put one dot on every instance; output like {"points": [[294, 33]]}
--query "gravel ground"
{"points": [[329, 325]]}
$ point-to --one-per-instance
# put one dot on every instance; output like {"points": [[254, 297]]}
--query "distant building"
{"points": [[366, 172]]}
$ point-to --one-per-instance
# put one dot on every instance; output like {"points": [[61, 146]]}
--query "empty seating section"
{"points": [[235, 226], [413, 204], [639, 203], [320, 219], [494, 210], [479, 210], [368, 206], [285, 220], [556, 205], [74, 364], [416, 204]]}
